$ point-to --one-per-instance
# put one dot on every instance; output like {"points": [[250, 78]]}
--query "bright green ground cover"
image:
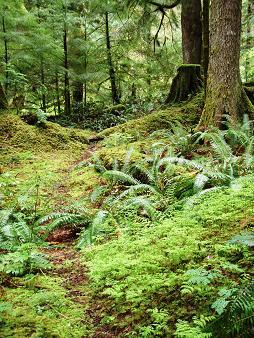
{"points": [[143, 278]]}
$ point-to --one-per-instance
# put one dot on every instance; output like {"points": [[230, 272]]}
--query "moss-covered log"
{"points": [[186, 84]]}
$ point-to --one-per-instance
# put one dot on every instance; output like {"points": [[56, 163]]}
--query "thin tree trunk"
{"points": [[78, 93], [206, 29], [6, 55], [43, 97], [112, 74], [225, 94], [3, 101], [86, 66], [57, 94], [67, 97]]}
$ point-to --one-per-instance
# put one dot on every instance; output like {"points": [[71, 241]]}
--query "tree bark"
{"points": [[206, 41], [112, 74], [57, 93], [6, 55], [43, 97], [250, 10], [225, 94], [187, 83], [78, 93], [191, 31], [3, 100], [67, 98], [188, 79]]}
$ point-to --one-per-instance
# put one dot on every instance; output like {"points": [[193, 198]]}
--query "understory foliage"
{"points": [[124, 211], [168, 177], [177, 263], [168, 238], [166, 209]]}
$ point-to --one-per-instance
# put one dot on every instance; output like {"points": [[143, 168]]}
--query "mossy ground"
{"points": [[135, 283], [187, 114], [143, 272]]}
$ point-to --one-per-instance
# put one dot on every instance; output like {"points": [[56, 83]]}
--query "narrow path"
{"points": [[67, 265], [66, 260], [62, 187]]}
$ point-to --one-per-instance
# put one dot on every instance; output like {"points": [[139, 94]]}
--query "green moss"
{"points": [[110, 155], [17, 135], [42, 156], [82, 182], [187, 113], [147, 265], [43, 310]]}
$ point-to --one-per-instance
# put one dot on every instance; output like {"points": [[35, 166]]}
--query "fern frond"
{"points": [[116, 175], [181, 161], [97, 193], [126, 166], [57, 220], [245, 239], [87, 236], [145, 204], [200, 182], [137, 189]]}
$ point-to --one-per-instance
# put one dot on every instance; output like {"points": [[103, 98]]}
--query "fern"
{"points": [[15, 229], [122, 177], [57, 220], [98, 193], [200, 182], [181, 161], [244, 239], [88, 235], [197, 329], [137, 189], [146, 206], [25, 260], [237, 312]]}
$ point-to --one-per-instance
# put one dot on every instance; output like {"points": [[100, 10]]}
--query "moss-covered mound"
{"points": [[18, 134], [187, 113]]}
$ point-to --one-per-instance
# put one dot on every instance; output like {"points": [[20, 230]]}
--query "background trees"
{"points": [[75, 57]]}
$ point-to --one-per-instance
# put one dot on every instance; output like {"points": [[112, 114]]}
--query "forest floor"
{"points": [[136, 281], [51, 179]]}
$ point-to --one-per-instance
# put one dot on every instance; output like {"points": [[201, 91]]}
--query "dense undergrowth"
{"points": [[163, 219]]}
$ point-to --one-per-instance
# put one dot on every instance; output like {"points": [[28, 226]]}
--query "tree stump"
{"points": [[186, 84], [249, 90]]}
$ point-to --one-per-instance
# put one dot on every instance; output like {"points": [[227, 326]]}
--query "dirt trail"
{"points": [[67, 266], [62, 187], [66, 260]]}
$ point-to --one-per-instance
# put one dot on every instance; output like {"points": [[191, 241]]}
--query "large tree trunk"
{"points": [[206, 29], [188, 79], [191, 31], [187, 83], [249, 39], [225, 94]]}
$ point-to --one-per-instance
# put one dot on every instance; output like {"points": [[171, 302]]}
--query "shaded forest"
{"points": [[127, 168]]}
